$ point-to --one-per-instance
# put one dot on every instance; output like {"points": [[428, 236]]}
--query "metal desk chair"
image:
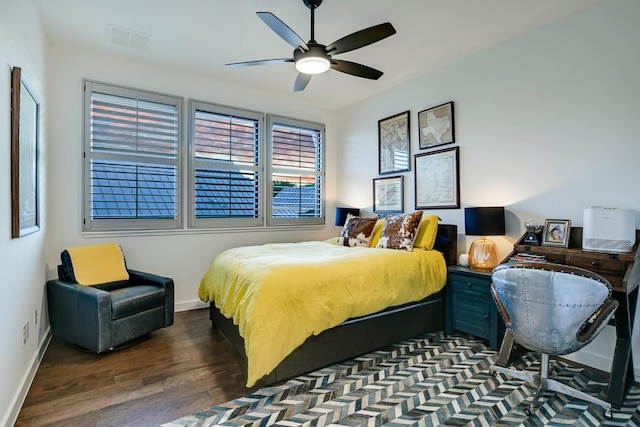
{"points": [[554, 310]]}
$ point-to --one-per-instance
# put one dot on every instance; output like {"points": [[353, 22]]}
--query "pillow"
{"points": [[95, 264], [377, 231], [427, 231], [400, 231], [357, 231], [441, 243]]}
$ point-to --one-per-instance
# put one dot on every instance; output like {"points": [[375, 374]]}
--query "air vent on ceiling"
{"points": [[128, 38]]}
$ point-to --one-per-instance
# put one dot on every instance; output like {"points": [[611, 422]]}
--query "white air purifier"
{"points": [[609, 230]]}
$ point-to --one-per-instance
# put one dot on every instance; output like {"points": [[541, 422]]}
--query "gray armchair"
{"points": [[106, 316], [554, 310]]}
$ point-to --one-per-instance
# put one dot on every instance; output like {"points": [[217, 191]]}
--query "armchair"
{"points": [[553, 310], [104, 316]]}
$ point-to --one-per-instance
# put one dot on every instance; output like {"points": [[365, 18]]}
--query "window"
{"points": [[131, 159], [296, 185], [226, 176]]}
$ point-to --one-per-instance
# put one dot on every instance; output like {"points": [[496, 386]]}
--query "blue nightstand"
{"points": [[469, 306]]}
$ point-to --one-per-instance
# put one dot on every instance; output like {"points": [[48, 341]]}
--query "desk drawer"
{"points": [[598, 265]]}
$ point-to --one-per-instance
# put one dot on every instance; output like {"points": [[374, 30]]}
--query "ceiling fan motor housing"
{"points": [[312, 3], [316, 60]]}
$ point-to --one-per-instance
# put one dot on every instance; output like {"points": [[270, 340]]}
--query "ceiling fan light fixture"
{"points": [[313, 65]]}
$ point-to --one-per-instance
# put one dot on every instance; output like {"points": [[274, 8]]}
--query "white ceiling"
{"points": [[202, 35]]}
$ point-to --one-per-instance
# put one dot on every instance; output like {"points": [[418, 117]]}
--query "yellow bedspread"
{"points": [[280, 294]]}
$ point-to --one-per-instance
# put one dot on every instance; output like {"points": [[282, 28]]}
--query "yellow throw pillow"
{"points": [[427, 232], [377, 232], [97, 264]]}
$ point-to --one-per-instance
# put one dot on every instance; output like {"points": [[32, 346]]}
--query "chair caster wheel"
{"points": [[528, 412], [493, 373], [608, 413]]}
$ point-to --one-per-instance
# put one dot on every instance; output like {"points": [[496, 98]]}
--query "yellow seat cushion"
{"points": [[96, 264]]}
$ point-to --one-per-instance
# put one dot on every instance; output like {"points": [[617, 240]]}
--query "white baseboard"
{"points": [[21, 395], [190, 305]]}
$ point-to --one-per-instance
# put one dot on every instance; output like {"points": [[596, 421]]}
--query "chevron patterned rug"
{"points": [[431, 380]]}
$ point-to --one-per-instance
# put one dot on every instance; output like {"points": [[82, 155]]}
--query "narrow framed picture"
{"points": [[436, 126], [393, 144], [388, 194], [437, 179], [556, 232], [25, 131]]}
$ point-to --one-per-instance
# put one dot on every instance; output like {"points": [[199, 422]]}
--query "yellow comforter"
{"points": [[279, 294]]}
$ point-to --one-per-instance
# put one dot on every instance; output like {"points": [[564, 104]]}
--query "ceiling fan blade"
{"points": [[259, 62], [282, 29], [301, 82], [361, 38], [356, 69]]}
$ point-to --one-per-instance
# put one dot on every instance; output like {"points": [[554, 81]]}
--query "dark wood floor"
{"points": [[175, 372]]}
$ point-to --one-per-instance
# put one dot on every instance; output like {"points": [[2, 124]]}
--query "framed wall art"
{"points": [[437, 179], [25, 131], [393, 144], [556, 232], [388, 194], [436, 126]]}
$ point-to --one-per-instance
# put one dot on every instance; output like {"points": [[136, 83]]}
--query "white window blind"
{"points": [[132, 159], [297, 171], [226, 176]]}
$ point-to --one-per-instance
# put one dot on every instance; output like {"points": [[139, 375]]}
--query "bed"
{"points": [[334, 342]]}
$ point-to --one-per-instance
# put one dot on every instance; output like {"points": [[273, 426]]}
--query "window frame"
{"points": [[272, 120], [227, 222], [139, 224]]}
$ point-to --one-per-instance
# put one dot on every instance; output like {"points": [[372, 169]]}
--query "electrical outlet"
{"points": [[35, 317], [25, 332]]}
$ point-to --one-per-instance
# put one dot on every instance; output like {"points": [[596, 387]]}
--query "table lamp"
{"points": [[485, 221], [341, 215]]}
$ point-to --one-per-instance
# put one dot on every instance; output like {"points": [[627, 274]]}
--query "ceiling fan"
{"points": [[314, 58]]}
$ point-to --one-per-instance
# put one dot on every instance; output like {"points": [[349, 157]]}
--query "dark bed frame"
{"points": [[356, 336]]}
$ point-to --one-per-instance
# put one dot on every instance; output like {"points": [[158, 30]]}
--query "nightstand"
{"points": [[470, 307]]}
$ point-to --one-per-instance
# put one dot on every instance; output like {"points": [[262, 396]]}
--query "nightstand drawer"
{"points": [[463, 283]]}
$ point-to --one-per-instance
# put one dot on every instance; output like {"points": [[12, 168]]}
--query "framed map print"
{"points": [[393, 144], [435, 126], [388, 194], [437, 179]]}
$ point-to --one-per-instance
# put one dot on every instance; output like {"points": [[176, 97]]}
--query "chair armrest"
{"points": [[70, 305], [140, 278], [597, 320]]}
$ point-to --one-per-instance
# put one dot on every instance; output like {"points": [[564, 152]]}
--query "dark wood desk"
{"points": [[623, 272]]}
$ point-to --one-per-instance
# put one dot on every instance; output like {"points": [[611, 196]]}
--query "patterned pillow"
{"points": [[357, 231], [400, 231]]}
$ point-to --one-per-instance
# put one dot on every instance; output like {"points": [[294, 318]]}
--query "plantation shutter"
{"points": [[226, 173], [297, 172], [132, 159]]}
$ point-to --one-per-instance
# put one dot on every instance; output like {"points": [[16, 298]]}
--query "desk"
{"points": [[623, 272]]}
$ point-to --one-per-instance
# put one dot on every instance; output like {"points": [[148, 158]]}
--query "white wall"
{"points": [[183, 256], [547, 124], [21, 260]]}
